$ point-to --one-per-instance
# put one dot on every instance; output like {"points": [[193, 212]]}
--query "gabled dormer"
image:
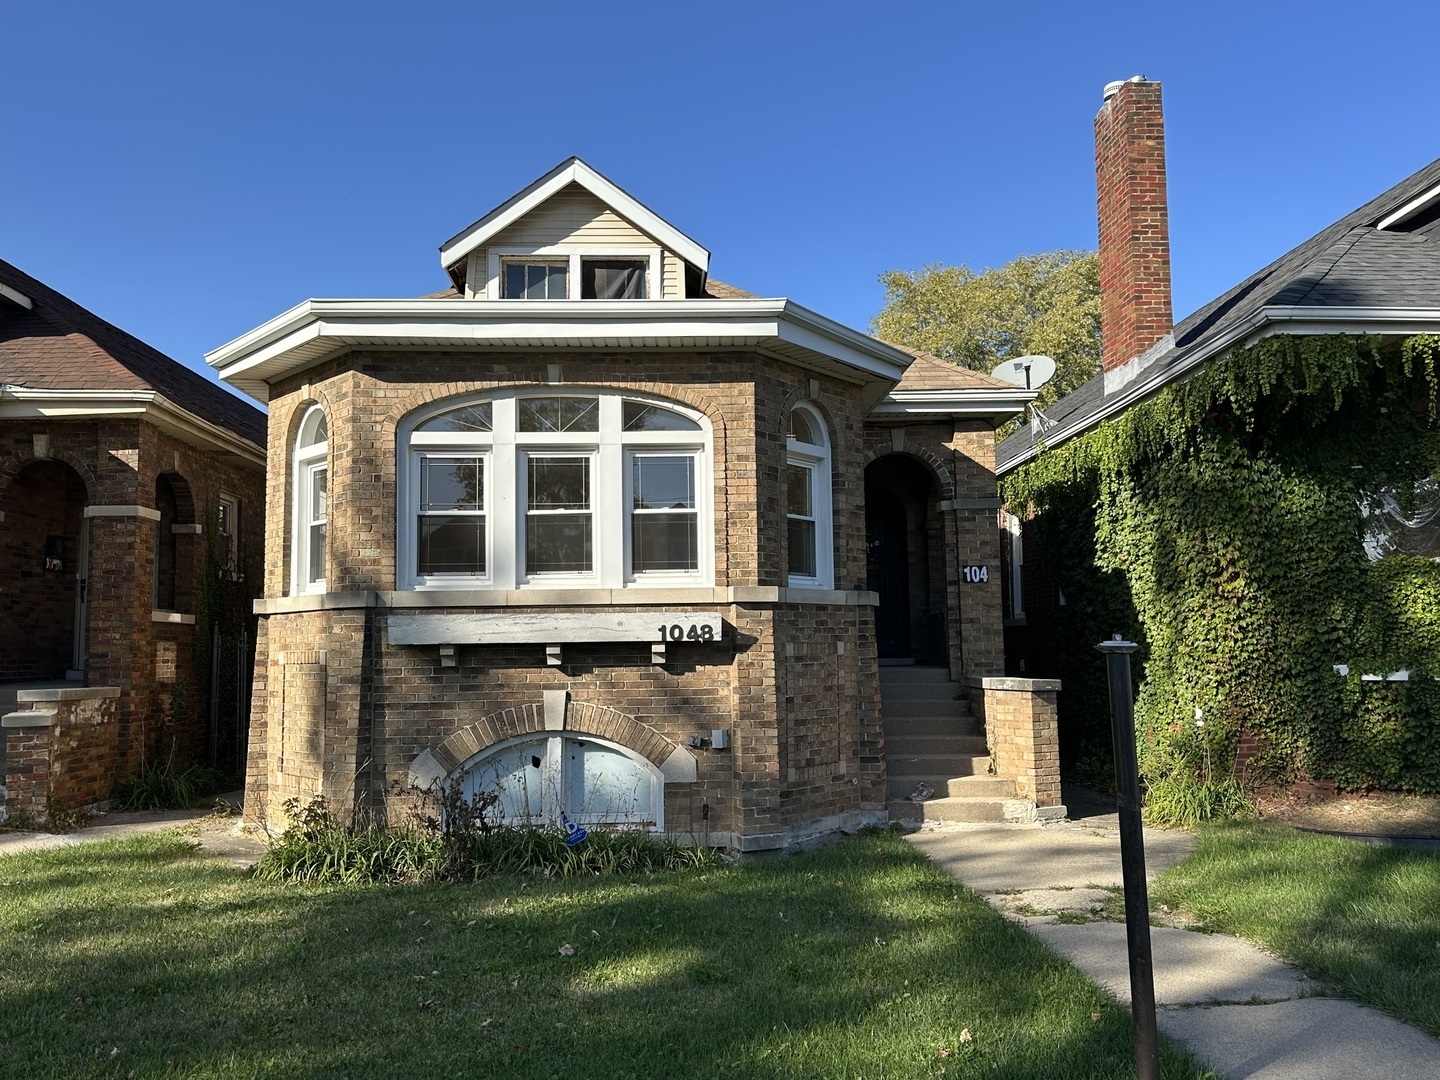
{"points": [[574, 235]]}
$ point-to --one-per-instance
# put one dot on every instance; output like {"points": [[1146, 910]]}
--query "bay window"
{"points": [[583, 489]]}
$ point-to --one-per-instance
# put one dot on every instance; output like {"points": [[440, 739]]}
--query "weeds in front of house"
{"points": [[162, 786], [1185, 801], [858, 960], [1364, 919], [460, 843]]}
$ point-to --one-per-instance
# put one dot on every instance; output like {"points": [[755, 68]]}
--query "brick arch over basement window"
{"points": [[575, 718], [928, 458], [12, 464]]}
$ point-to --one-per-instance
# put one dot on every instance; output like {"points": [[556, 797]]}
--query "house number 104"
{"points": [[976, 574]]}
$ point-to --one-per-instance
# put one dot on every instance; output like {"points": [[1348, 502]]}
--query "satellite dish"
{"points": [[1026, 372]]}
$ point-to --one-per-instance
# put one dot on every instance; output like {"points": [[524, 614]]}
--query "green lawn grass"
{"points": [[1364, 919], [141, 958]]}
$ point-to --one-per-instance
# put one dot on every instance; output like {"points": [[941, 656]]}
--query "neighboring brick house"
{"points": [[591, 528], [113, 460]]}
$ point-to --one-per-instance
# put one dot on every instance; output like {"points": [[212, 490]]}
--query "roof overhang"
{"points": [[1264, 322], [27, 403], [15, 297], [991, 404], [319, 329], [573, 171]]}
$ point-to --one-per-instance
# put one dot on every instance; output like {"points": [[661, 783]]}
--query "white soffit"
{"points": [[317, 329], [573, 171], [19, 299], [987, 402], [1421, 202]]}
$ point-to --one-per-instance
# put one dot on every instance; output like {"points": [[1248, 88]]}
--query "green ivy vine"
{"points": [[1219, 524]]}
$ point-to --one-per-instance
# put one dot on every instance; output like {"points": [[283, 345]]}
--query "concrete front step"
{"points": [[908, 676], [960, 787], [923, 710], [937, 764], [963, 809], [936, 691], [930, 725], [903, 746]]}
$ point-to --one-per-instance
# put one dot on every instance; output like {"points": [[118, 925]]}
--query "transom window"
{"points": [[580, 489], [810, 545]]}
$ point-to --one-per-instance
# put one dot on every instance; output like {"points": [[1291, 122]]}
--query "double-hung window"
{"points": [[568, 272], [529, 488], [809, 544], [310, 509]]}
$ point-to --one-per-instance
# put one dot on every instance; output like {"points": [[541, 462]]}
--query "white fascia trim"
{"points": [[573, 171], [580, 323], [977, 402], [22, 402], [1421, 202], [7, 293], [1263, 323]]}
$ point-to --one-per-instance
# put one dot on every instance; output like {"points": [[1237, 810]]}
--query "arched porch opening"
{"points": [[43, 556], [904, 560]]}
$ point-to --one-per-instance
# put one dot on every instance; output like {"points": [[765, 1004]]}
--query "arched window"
{"points": [[582, 488], [591, 781], [807, 501], [309, 511]]}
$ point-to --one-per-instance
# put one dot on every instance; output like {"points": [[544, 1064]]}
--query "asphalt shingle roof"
{"points": [[1350, 264], [59, 345]]}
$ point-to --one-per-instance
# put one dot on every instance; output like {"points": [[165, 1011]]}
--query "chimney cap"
{"points": [[1113, 88]]}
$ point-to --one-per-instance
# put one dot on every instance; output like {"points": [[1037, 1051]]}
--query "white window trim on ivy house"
{"points": [[505, 454], [311, 463], [812, 460]]}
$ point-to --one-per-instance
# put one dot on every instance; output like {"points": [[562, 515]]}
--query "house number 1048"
{"points": [[693, 632], [976, 574]]}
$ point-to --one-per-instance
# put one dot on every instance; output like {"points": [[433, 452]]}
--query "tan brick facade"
{"points": [[1021, 731]]}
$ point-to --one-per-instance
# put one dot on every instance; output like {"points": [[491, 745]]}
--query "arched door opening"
{"points": [[904, 548], [43, 565]]}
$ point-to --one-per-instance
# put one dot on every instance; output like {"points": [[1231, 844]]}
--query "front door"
{"points": [[887, 566]]}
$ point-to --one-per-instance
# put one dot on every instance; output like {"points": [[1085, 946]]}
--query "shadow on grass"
{"points": [[1364, 919], [860, 960]]}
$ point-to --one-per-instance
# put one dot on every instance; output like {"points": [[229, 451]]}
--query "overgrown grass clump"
{"points": [[1183, 800], [163, 786], [320, 848], [1362, 918], [861, 960]]}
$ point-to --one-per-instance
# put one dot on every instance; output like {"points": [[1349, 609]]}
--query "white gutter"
{"points": [[20, 402], [1264, 322], [974, 402], [261, 354]]}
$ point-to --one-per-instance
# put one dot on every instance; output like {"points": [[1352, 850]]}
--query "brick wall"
{"points": [[1021, 732], [60, 750]]}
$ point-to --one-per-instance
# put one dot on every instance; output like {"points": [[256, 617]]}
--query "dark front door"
{"points": [[887, 565]]}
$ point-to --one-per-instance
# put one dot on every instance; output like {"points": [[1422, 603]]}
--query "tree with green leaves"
{"points": [[1047, 303]]}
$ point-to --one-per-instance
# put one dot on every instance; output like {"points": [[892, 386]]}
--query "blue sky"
{"points": [[190, 170]]}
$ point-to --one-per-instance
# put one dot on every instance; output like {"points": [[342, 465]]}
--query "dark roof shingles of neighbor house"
{"points": [[926, 372], [1350, 264], [59, 345]]}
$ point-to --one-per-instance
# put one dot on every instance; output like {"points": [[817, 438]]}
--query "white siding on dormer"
{"points": [[573, 216], [673, 286]]}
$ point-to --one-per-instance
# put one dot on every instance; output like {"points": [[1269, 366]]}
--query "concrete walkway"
{"points": [[1238, 1009], [215, 834]]}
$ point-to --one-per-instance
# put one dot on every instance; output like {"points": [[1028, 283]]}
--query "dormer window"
{"points": [[612, 279], [530, 280]]}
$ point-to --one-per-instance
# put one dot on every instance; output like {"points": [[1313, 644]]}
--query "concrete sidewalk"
{"points": [[215, 834], [1234, 1006]]}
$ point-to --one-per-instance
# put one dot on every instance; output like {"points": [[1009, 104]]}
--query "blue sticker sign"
{"points": [[573, 833]]}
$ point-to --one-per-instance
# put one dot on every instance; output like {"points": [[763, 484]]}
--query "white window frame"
{"points": [[815, 459], [575, 254], [611, 451], [227, 544], [483, 456], [1014, 527], [308, 460]]}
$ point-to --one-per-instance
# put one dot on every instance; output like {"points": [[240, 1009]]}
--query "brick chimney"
{"points": [[1135, 309]]}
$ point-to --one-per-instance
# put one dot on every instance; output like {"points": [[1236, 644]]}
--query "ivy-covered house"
{"points": [[1250, 492]]}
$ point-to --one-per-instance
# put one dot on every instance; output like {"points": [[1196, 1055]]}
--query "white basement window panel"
{"points": [[583, 489]]}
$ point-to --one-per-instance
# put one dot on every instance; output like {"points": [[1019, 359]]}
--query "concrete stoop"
{"points": [[932, 739]]}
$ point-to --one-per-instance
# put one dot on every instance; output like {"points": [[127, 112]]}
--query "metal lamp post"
{"points": [[1132, 858]]}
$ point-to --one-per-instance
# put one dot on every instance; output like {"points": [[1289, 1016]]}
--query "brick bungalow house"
{"points": [[114, 460], [601, 533], [1307, 569]]}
